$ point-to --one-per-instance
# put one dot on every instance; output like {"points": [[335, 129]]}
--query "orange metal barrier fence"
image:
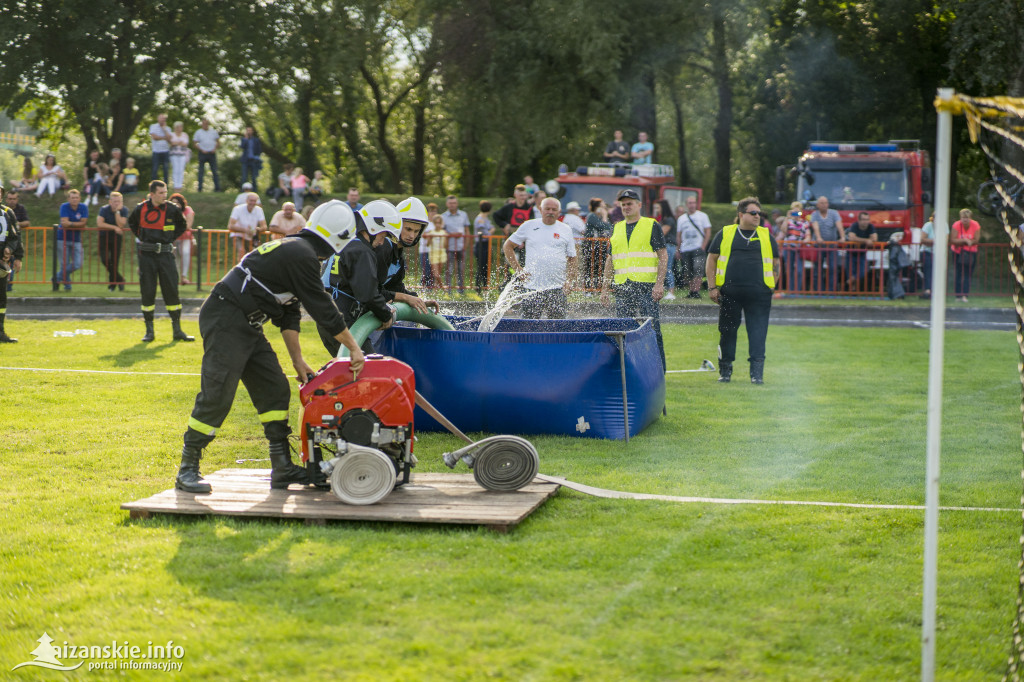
{"points": [[840, 269], [817, 269]]}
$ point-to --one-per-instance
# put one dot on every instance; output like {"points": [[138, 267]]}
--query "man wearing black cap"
{"points": [[637, 265]]}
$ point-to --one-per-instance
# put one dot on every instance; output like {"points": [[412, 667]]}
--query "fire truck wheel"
{"points": [[363, 476]]}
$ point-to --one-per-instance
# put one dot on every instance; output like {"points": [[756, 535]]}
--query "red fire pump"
{"points": [[359, 434]]}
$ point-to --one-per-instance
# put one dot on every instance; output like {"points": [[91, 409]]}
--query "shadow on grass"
{"points": [[261, 553], [140, 352]]}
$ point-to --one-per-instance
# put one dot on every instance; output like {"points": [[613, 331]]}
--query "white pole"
{"points": [[936, 351]]}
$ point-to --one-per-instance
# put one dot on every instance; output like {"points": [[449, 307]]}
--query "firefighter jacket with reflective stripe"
{"points": [[9, 237], [279, 271], [763, 236], [634, 259], [157, 224]]}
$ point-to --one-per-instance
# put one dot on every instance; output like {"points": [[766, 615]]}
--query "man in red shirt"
{"points": [[509, 217], [964, 237]]}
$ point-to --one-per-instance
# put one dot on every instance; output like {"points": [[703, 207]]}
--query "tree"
{"points": [[102, 63], [530, 85]]}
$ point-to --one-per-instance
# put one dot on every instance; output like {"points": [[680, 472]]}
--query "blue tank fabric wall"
{"points": [[534, 376]]}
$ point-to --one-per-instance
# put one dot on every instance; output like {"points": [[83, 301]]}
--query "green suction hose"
{"points": [[368, 323]]}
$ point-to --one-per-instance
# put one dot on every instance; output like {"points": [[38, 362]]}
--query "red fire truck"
{"points": [[606, 180], [891, 181]]}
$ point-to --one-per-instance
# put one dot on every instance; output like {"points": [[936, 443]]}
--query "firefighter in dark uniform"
{"points": [[353, 277], [391, 256], [156, 223], [11, 255], [743, 264], [268, 284]]}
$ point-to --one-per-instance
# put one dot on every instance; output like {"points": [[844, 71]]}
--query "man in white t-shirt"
{"points": [[550, 268], [246, 221], [575, 221], [456, 224], [693, 234], [244, 194], [160, 136], [206, 140], [286, 222]]}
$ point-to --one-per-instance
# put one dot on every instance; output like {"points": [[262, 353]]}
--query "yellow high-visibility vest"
{"points": [[728, 234], [634, 259]]}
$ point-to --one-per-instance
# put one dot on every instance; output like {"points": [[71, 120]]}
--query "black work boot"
{"points": [[3, 335], [150, 334], [724, 372], [176, 326], [283, 470], [189, 479], [757, 371]]}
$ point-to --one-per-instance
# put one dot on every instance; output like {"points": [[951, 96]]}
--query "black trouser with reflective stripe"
{"points": [[755, 304], [234, 351], [3, 302], [158, 267]]}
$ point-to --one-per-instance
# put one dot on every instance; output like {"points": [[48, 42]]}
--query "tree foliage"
{"points": [[101, 63], [435, 96]]}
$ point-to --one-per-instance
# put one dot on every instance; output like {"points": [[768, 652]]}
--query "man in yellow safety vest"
{"points": [[743, 267], [637, 265]]}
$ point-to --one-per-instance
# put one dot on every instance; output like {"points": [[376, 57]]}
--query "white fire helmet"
{"points": [[333, 222], [381, 216], [413, 209]]}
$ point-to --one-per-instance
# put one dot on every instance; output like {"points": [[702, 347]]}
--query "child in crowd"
{"points": [[97, 186], [317, 187], [129, 177], [113, 178], [299, 182], [437, 240], [482, 230], [28, 177]]}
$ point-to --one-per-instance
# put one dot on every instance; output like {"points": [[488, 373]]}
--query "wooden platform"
{"points": [[427, 498]]}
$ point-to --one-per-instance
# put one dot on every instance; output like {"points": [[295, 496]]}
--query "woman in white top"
{"points": [[179, 155], [51, 176]]}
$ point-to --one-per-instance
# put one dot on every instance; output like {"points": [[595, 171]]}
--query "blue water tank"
{"points": [[560, 377]]}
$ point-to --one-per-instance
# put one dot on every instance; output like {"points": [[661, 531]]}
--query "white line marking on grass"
{"points": [[617, 494], [599, 492], [101, 371], [854, 322]]}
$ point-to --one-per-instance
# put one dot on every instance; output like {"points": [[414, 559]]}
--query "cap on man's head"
{"points": [[246, 186], [629, 194], [572, 206], [519, 188]]}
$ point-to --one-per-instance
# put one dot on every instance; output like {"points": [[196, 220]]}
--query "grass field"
{"points": [[585, 589]]}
